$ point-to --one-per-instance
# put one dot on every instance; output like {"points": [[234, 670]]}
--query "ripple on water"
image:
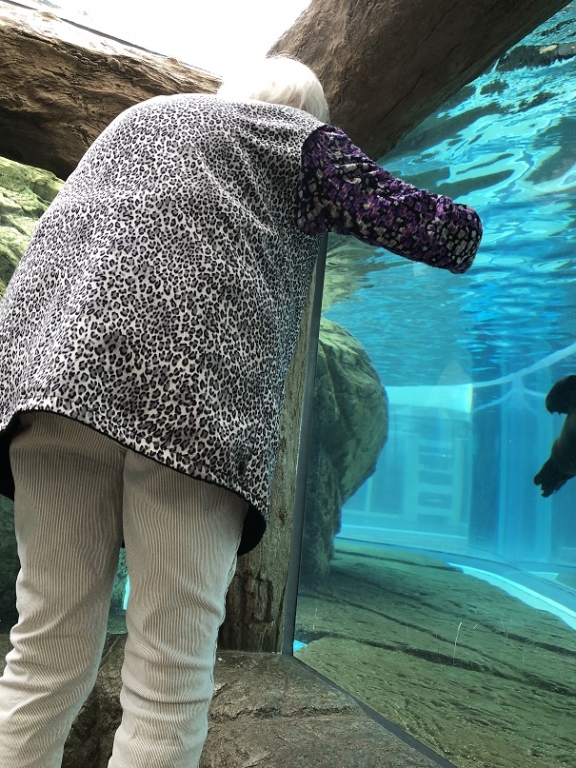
{"points": [[506, 147]]}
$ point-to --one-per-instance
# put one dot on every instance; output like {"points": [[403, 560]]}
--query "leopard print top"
{"points": [[160, 298]]}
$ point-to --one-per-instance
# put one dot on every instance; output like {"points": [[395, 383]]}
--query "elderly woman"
{"points": [[144, 344]]}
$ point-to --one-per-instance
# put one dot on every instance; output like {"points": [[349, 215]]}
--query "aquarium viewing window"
{"points": [[448, 604]]}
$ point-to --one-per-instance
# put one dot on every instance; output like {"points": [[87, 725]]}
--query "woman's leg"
{"points": [[68, 526], [181, 540]]}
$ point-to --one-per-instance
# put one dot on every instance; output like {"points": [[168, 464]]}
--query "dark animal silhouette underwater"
{"points": [[561, 465]]}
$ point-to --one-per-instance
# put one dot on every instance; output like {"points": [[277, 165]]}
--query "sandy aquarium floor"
{"points": [[470, 671]]}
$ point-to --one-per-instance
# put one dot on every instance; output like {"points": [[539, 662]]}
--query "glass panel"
{"points": [[449, 602]]}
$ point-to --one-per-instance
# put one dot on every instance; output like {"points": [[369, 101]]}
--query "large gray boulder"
{"points": [[349, 429]]}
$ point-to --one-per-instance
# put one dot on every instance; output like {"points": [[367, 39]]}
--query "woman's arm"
{"points": [[341, 190]]}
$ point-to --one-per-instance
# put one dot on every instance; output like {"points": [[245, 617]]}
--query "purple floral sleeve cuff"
{"points": [[341, 190]]}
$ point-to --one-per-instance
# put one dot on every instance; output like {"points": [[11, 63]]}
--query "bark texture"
{"points": [[60, 86], [387, 64]]}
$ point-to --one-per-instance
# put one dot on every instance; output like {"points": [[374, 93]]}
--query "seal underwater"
{"points": [[561, 465]]}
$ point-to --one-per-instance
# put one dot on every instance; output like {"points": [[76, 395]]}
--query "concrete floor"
{"points": [[268, 711]]}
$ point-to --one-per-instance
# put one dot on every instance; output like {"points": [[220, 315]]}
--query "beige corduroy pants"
{"points": [[78, 494]]}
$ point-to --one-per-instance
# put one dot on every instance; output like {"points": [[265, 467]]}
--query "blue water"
{"points": [[512, 156], [467, 360]]}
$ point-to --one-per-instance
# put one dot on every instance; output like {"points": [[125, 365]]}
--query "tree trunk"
{"points": [[387, 64], [256, 599], [60, 86]]}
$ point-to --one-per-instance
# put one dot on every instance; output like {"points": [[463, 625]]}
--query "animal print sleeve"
{"points": [[341, 190]]}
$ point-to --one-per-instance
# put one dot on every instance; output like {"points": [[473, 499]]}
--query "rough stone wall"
{"points": [[25, 193]]}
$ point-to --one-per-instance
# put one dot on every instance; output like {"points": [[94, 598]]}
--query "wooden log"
{"points": [[61, 85], [256, 601], [387, 64]]}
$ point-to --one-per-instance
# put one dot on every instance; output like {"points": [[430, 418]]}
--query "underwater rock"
{"points": [[350, 425], [459, 664], [350, 267]]}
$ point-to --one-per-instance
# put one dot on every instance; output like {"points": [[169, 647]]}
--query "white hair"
{"points": [[277, 80]]}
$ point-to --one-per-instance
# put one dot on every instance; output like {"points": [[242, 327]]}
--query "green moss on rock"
{"points": [[25, 193]]}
